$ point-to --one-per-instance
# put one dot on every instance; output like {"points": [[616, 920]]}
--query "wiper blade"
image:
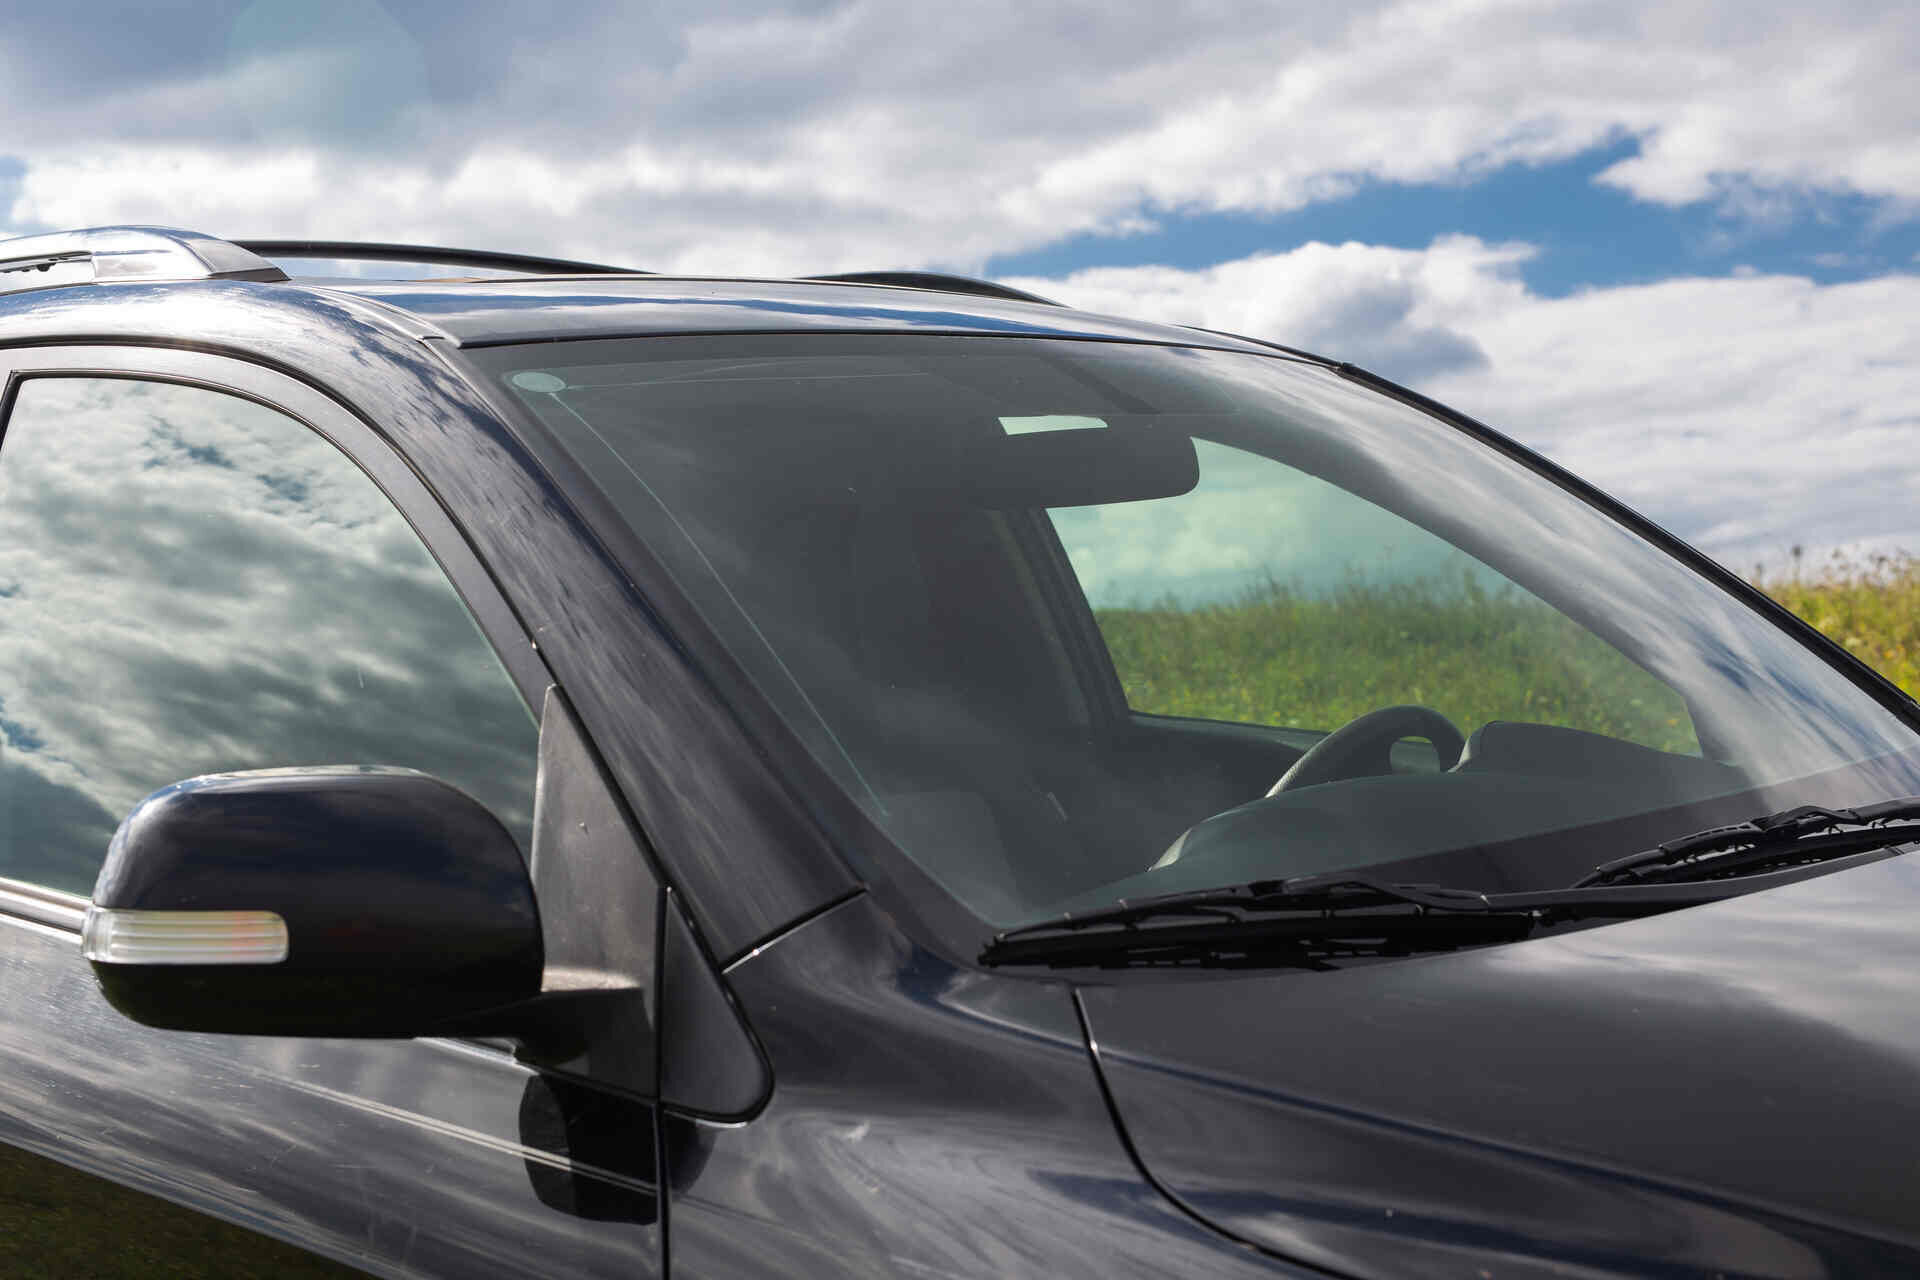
{"points": [[1302, 893], [1298, 941], [1307, 920], [1267, 922], [1809, 833]]}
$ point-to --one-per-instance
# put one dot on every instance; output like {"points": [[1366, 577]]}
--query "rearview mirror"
{"points": [[342, 901], [969, 470], [1072, 468]]}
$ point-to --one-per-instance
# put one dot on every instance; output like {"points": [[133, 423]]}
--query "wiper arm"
{"points": [[1809, 833]]}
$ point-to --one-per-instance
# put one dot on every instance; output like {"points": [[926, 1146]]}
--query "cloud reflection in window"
{"points": [[197, 583]]}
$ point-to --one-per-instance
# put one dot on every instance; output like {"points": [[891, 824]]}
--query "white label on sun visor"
{"points": [[1050, 422]]}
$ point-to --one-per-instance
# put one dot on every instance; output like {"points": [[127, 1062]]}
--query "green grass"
{"points": [[1282, 657], [1314, 661], [58, 1221], [1870, 605]]}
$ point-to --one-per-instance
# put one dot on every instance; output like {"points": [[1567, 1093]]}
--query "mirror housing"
{"points": [[337, 901], [1072, 468]]}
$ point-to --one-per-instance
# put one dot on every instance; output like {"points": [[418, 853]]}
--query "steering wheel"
{"points": [[1361, 747]]}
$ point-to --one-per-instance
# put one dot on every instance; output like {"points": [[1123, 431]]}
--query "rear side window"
{"points": [[193, 583]]}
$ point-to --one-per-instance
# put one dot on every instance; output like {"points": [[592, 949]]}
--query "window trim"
{"points": [[361, 443], [36, 902]]}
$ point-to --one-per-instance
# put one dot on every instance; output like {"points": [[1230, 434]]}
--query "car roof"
{"points": [[559, 300], [490, 312]]}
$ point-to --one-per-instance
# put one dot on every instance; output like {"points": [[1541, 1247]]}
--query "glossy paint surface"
{"points": [[544, 310], [403, 1158], [698, 785], [926, 1120], [406, 903], [710, 1064], [1732, 1088]]}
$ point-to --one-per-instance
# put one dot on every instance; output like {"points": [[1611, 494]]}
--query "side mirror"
{"points": [[341, 901]]}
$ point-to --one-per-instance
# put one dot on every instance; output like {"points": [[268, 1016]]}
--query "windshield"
{"points": [[1074, 621]]}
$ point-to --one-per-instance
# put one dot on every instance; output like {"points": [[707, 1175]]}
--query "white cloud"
{"points": [[739, 138], [1749, 412], [1393, 309], [1745, 413]]}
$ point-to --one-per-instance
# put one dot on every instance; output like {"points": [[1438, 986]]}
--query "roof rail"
{"points": [[938, 281], [357, 251], [129, 254]]}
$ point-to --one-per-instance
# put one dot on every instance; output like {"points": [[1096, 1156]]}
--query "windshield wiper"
{"points": [[1266, 922], [1310, 918], [1807, 834]]}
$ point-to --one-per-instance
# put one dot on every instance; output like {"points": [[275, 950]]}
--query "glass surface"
{"points": [[192, 583], [1284, 600], [1058, 614]]}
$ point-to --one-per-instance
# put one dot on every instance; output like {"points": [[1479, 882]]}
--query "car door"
{"points": [[208, 566]]}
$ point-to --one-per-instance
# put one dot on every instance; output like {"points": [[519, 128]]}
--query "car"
{"points": [[524, 767]]}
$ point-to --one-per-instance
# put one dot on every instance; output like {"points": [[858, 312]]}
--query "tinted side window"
{"points": [[192, 583]]}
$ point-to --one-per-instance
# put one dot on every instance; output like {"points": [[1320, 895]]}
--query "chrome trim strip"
{"points": [[62, 910]]}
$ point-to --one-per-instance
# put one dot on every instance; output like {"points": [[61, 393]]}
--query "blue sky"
{"points": [[1588, 235], [1676, 246]]}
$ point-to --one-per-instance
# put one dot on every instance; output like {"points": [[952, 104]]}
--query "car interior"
{"points": [[885, 560]]}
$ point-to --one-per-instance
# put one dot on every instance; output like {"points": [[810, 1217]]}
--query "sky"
{"points": [[1675, 246]]}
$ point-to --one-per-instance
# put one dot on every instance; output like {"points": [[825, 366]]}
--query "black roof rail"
{"points": [[167, 253], [938, 281], [125, 254], [358, 251]]}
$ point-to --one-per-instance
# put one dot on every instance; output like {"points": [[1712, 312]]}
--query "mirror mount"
{"points": [[560, 1024]]}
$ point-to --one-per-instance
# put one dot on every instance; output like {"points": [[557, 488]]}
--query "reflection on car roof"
{"points": [[484, 312]]}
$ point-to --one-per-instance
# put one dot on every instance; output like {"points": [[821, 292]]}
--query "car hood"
{"points": [[1732, 1088]]}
